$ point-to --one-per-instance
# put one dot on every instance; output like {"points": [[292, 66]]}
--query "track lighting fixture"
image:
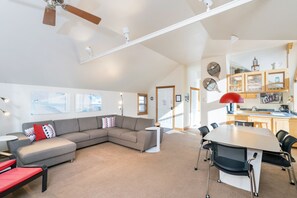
{"points": [[6, 113], [6, 100]]}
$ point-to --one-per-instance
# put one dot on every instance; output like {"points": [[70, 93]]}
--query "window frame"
{"points": [[138, 104]]}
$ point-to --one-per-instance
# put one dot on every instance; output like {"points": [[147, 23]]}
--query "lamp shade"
{"points": [[231, 98]]}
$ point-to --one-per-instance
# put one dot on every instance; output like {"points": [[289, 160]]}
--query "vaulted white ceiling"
{"points": [[33, 53]]}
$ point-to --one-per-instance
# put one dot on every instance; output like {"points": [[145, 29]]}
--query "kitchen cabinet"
{"points": [[280, 124], [231, 118], [261, 122], [248, 95], [235, 83], [255, 82], [277, 80], [250, 83], [293, 128]]}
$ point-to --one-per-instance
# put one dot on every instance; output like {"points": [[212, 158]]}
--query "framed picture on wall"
{"points": [[271, 98], [178, 98], [88, 103], [43, 102]]}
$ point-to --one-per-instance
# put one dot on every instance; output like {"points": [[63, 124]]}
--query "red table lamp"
{"points": [[231, 98]]}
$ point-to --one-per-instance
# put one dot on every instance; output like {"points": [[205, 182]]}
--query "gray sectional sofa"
{"points": [[72, 134]]}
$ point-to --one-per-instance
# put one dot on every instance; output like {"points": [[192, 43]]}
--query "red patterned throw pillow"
{"points": [[39, 133], [45, 131]]}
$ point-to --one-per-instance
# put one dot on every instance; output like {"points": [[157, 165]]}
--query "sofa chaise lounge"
{"points": [[72, 134]]}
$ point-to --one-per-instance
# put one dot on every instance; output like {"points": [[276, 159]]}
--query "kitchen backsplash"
{"points": [[249, 103]]}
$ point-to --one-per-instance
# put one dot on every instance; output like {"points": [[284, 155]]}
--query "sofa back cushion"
{"points": [[30, 124], [129, 123], [119, 121], [143, 123], [87, 123], [66, 126]]}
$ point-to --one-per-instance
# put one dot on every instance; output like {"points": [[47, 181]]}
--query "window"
{"points": [[142, 104]]}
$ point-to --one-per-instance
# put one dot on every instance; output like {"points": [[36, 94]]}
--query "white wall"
{"points": [[193, 77], [177, 78], [265, 58], [20, 105], [211, 109]]}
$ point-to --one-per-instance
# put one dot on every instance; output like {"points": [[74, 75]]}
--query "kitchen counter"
{"points": [[273, 114]]}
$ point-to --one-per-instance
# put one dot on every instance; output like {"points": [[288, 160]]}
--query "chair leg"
{"points": [[254, 181], [208, 177], [196, 167], [290, 176], [251, 182], [294, 177], [206, 156]]}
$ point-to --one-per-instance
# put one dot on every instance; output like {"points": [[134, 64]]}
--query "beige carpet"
{"points": [[110, 171]]}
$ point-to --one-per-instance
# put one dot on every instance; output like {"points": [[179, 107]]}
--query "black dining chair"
{"points": [[214, 125], [280, 135], [232, 160], [283, 158], [204, 144], [242, 123]]}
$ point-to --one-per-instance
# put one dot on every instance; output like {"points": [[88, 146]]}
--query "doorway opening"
{"points": [[195, 114], [165, 104]]}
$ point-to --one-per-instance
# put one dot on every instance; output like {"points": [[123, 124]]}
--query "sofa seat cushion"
{"points": [[97, 133], [116, 132], [76, 136], [129, 136], [45, 149]]}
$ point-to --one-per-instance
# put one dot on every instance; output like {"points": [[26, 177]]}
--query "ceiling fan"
{"points": [[49, 17]]}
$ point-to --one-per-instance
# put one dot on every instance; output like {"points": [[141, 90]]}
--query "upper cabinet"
{"points": [[259, 81], [235, 83], [254, 82], [277, 80]]}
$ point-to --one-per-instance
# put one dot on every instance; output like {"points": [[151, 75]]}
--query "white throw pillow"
{"points": [[110, 122], [49, 131], [30, 134], [104, 123]]}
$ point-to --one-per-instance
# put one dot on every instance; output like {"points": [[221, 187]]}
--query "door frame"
{"points": [[173, 99], [199, 102]]}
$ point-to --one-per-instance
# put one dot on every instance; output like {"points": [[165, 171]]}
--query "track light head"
{"points": [[6, 113], [6, 100]]}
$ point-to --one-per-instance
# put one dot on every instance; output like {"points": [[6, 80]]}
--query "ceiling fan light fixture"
{"points": [[50, 12]]}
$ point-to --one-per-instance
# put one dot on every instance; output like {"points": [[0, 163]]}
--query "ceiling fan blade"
{"points": [[49, 17], [82, 14]]}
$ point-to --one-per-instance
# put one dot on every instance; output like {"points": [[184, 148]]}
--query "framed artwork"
{"points": [[88, 103], [49, 103], [178, 98], [271, 98]]}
